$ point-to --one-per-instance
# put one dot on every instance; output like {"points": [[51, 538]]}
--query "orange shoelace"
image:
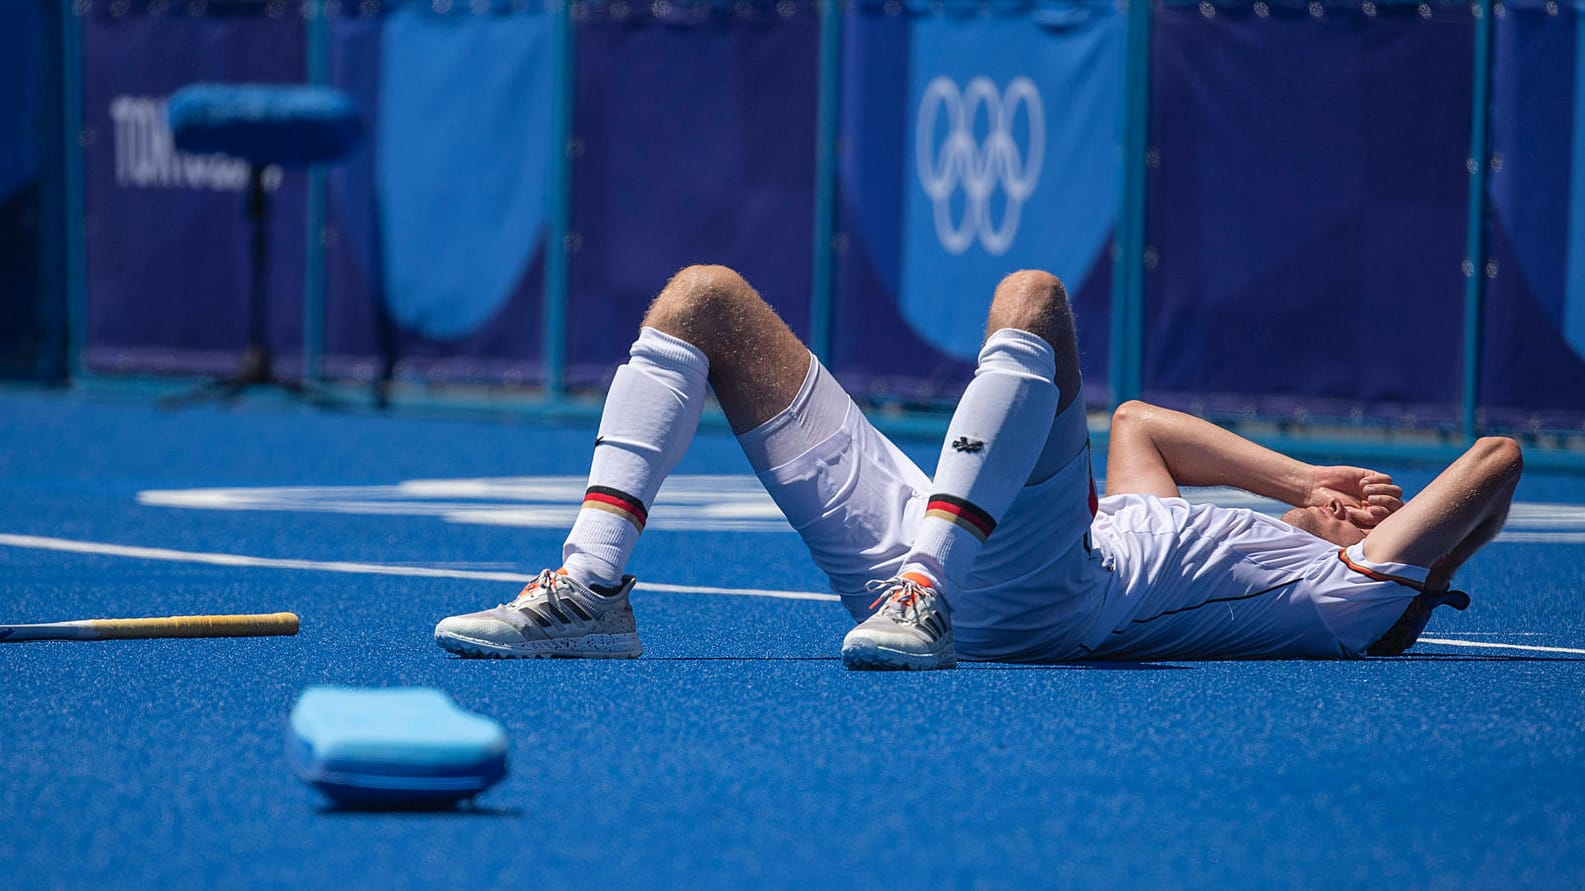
{"points": [[906, 589]]}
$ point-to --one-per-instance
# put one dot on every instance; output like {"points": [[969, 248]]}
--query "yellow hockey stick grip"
{"points": [[260, 625]]}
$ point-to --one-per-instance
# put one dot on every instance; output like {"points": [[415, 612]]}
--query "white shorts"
{"points": [[857, 501]]}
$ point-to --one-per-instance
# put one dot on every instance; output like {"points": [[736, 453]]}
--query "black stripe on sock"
{"points": [[971, 511], [631, 502]]}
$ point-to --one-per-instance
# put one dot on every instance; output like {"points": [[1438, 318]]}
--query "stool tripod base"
{"points": [[254, 372]]}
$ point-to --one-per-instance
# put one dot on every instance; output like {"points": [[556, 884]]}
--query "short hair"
{"points": [[1303, 520], [1299, 518]]}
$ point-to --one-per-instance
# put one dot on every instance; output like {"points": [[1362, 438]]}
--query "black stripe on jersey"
{"points": [[1190, 609]]}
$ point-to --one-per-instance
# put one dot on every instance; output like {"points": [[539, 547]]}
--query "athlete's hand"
{"points": [[1366, 496]]}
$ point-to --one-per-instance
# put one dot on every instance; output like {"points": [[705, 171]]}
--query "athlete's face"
{"points": [[1329, 523]]}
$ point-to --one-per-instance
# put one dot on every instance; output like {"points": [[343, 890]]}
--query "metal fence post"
{"points": [[1475, 261], [314, 250], [71, 61], [559, 214], [1127, 349], [828, 122]]}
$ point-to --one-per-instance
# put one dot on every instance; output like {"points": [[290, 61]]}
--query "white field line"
{"points": [[35, 542], [41, 543], [1498, 646]]}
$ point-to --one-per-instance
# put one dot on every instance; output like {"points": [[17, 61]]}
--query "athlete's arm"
{"points": [[1154, 450], [1461, 510]]}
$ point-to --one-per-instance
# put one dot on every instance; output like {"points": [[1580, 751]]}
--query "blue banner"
{"points": [[1013, 162], [436, 260], [464, 136], [1534, 345], [978, 141], [1308, 191]]}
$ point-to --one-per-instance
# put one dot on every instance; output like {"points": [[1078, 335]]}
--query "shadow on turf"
{"points": [[462, 810], [1460, 657], [1108, 666], [981, 666]]}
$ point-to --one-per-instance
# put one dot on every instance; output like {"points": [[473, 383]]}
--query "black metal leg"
{"points": [[256, 368], [256, 359]]}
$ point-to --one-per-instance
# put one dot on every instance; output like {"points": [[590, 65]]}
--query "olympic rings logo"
{"points": [[978, 168]]}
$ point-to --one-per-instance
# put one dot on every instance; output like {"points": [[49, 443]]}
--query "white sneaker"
{"points": [[553, 616], [911, 630]]}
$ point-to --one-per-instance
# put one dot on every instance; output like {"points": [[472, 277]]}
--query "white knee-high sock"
{"points": [[650, 416], [996, 434]]}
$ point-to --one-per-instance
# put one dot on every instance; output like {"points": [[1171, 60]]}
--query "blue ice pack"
{"points": [[399, 747]]}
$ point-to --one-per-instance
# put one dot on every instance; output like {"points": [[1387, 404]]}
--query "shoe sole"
{"points": [[865, 656], [595, 646]]}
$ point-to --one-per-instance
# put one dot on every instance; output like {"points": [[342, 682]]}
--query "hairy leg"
{"points": [[757, 364], [847, 503], [1007, 432], [706, 326], [1000, 437], [1035, 301]]}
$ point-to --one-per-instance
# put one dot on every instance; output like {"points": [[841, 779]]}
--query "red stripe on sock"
{"points": [[618, 506], [967, 513]]}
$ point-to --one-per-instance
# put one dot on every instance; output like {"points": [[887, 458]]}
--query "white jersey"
{"points": [[1067, 576], [1203, 582]]}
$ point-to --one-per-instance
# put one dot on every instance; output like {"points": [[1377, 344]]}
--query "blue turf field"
{"points": [[737, 748]]}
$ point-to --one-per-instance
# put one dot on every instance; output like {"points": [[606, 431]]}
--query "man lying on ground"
{"points": [[1007, 554]]}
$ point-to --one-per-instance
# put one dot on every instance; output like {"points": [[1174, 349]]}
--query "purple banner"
{"points": [[435, 247], [694, 143], [976, 142], [22, 134], [1307, 210], [167, 235]]}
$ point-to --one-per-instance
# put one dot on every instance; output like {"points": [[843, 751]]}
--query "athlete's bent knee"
{"points": [[1501, 454], [1034, 301], [1035, 282], [697, 297]]}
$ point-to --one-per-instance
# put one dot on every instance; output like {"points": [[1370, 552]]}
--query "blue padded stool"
{"points": [[284, 124]]}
